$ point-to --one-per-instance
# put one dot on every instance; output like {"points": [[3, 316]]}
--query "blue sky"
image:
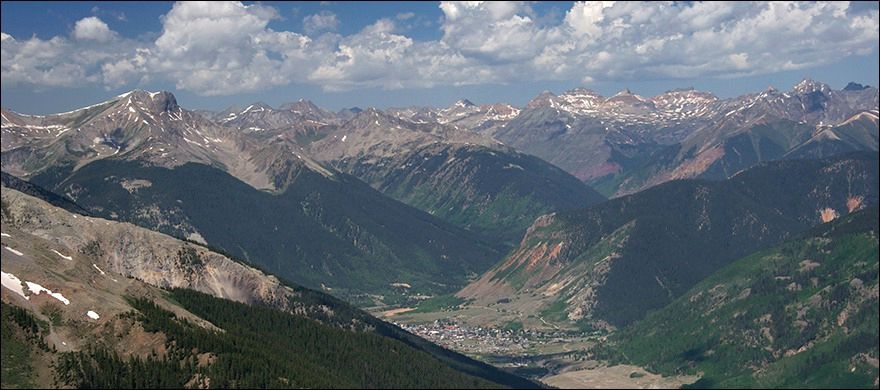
{"points": [[58, 56]]}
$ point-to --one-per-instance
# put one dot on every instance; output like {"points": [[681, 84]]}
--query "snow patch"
{"points": [[62, 256], [37, 289], [13, 250], [344, 137], [13, 283], [5, 235], [92, 315], [78, 109], [99, 270]]}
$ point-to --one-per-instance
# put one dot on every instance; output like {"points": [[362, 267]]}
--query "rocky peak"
{"points": [[463, 103], [544, 99], [348, 113], [500, 109], [372, 117], [460, 107], [770, 90], [851, 86], [807, 85], [627, 98], [156, 102], [301, 105], [308, 110], [256, 107]]}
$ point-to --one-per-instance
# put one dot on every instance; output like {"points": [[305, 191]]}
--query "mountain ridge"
{"points": [[582, 267], [112, 278]]}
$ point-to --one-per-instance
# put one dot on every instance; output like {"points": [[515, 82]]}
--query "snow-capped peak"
{"points": [[807, 85], [462, 103]]}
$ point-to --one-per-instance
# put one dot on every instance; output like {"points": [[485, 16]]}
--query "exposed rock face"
{"points": [[129, 251]]}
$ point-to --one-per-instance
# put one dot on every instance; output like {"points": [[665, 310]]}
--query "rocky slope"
{"points": [[98, 251]]}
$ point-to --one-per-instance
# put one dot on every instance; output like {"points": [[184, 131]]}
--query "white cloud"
{"points": [[495, 32], [92, 28], [59, 61], [712, 39], [38, 62], [320, 22], [214, 48], [119, 73], [227, 48]]}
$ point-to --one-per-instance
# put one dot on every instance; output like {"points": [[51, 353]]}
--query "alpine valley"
{"points": [[580, 240]]}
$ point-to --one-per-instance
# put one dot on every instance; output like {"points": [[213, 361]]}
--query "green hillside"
{"points": [[492, 193], [609, 265], [802, 314]]}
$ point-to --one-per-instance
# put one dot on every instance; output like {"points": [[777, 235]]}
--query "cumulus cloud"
{"points": [[226, 48], [213, 48], [496, 32], [320, 22], [92, 28]]}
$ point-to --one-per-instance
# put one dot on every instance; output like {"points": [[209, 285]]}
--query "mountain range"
{"points": [[576, 211], [182, 174], [627, 142]]}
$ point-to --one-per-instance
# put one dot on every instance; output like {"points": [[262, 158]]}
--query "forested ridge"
{"points": [[257, 348]]}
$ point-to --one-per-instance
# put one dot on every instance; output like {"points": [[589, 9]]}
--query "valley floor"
{"points": [[614, 377], [552, 355]]}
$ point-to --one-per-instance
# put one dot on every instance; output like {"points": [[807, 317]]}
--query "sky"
{"points": [[59, 56]]}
